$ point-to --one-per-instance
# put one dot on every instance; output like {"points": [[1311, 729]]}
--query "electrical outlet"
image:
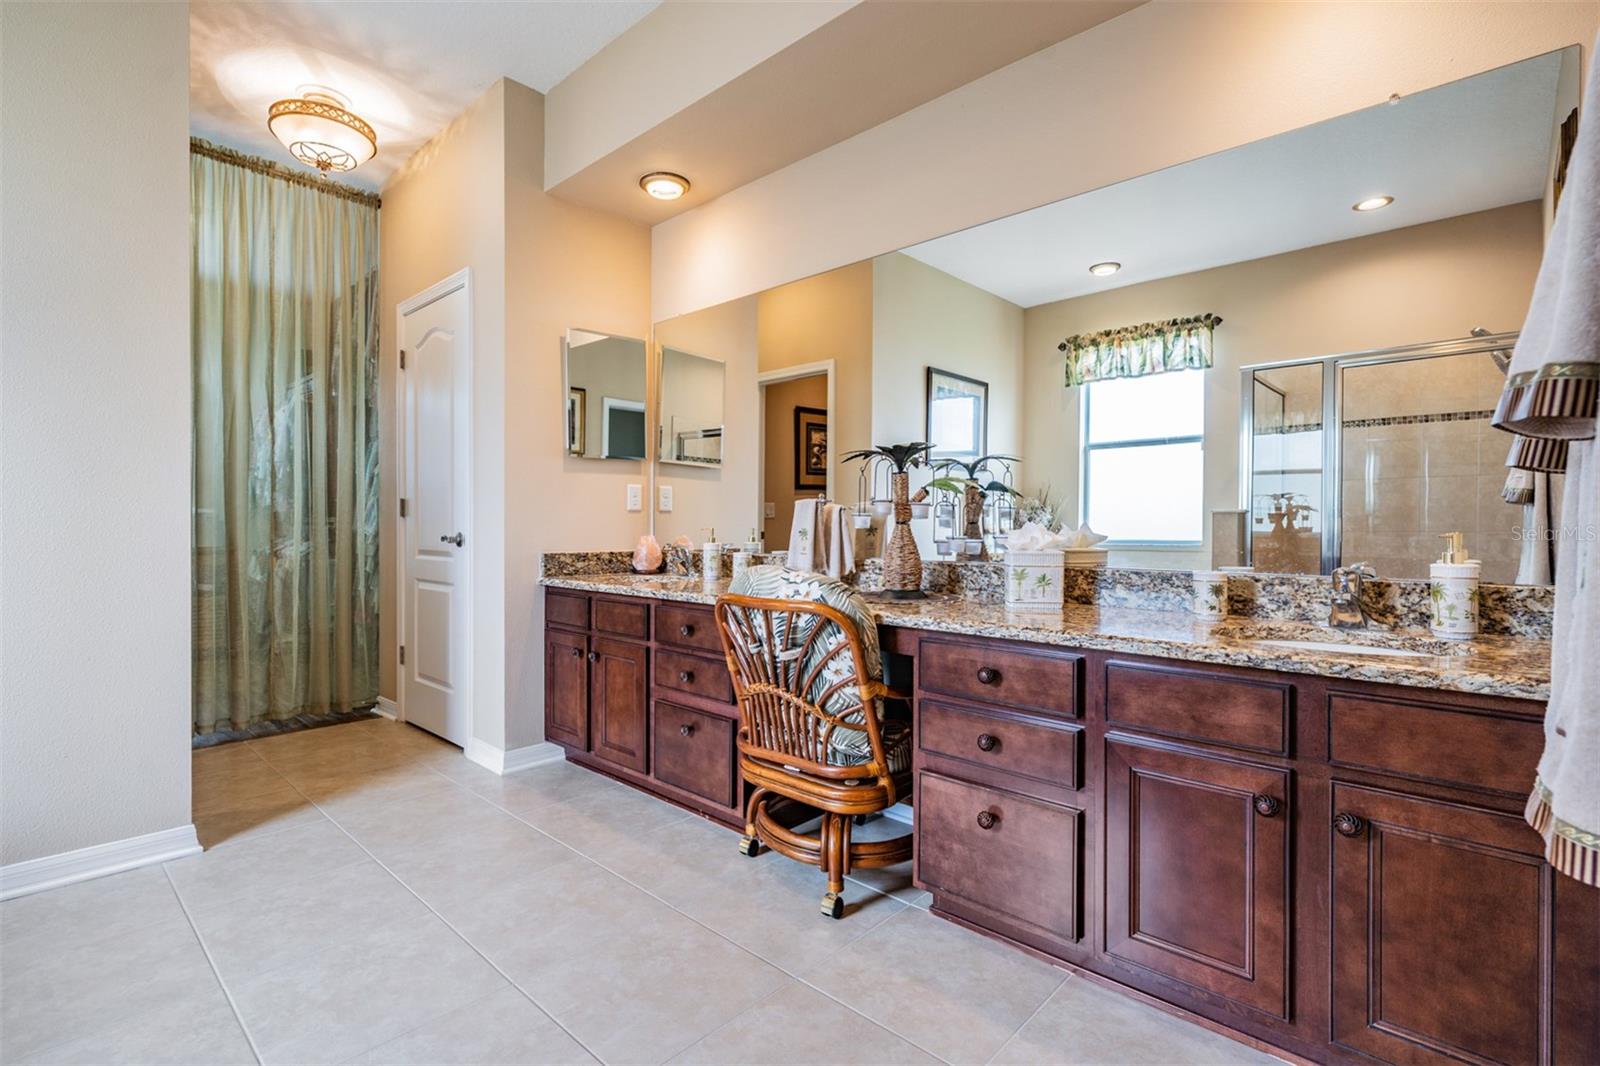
{"points": [[769, 509], [665, 504], [635, 498]]}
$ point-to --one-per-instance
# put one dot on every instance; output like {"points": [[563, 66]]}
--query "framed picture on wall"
{"points": [[577, 417], [958, 415], [810, 448]]}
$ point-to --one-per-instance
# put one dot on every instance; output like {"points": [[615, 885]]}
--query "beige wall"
{"points": [[722, 498], [95, 406], [779, 400], [1048, 126], [1414, 285], [475, 197], [828, 317]]}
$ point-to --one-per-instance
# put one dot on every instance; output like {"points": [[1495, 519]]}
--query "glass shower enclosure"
{"points": [[1371, 457]]}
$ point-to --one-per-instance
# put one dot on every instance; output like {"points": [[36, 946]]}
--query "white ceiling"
{"points": [[1474, 144], [408, 68]]}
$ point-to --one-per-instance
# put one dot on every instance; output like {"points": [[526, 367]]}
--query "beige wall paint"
{"points": [[721, 498], [827, 317], [1047, 127], [1413, 285], [95, 405], [779, 401], [475, 197]]}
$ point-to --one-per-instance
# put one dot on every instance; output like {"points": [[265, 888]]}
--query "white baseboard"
{"points": [[509, 762], [69, 867], [900, 812], [388, 708]]}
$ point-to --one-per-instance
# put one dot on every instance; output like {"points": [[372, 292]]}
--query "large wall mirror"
{"points": [[1283, 355], [605, 395]]}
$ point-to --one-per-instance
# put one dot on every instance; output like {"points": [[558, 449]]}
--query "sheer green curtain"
{"points": [[285, 336]]}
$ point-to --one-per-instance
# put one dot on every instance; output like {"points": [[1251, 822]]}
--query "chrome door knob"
{"points": [[458, 540]]}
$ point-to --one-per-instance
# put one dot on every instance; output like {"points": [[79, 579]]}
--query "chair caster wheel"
{"points": [[833, 905], [749, 847]]}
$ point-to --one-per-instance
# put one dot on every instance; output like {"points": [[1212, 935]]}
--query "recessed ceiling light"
{"points": [[1372, 203], [664, 186], [1105, 270]]}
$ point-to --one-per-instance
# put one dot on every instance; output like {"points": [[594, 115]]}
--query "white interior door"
{"points": [[436, 379]]}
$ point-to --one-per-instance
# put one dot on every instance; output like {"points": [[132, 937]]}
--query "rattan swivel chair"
{"points": [[807, 677]]}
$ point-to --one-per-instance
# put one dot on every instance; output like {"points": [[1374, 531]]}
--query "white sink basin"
{"points": [[1343, 649]]}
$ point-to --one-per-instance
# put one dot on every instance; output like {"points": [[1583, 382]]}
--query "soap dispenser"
{"points": [[711, 557], [1453, 589]]}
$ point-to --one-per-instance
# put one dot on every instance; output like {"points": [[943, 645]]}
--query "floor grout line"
{"points": [[212, 962], [1018, 1030]]}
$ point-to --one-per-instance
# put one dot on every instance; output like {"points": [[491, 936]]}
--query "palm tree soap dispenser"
{"points": [[1453, 588]]}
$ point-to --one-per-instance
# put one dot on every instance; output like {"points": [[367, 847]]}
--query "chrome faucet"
{"points": [[1346, 612]]}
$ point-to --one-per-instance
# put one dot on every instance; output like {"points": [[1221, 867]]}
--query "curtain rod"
{"points": [[255, 163]]}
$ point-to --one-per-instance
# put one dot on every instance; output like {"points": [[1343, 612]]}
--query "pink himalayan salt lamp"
{"points": [[647, 556]]}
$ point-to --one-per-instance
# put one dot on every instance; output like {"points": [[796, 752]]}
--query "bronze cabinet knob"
{"points": [[1266, 806], [1349, 825], [577, 653], [594, 656], [686, 630], [986, 742], [685, 676], [988, 675], [686, 729], [988, 819]]}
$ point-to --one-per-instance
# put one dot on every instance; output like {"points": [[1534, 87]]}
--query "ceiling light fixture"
{"points": [[1372, 203], [319, 130], [1105, 270], [664, 185]]}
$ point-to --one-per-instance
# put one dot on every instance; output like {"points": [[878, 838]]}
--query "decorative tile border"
{"points": [[1419, 420]]}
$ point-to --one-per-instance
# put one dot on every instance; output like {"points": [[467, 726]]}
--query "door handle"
{"points": [[458, 540]]}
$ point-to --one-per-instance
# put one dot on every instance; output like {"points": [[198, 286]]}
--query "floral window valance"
{"points": [[1134, 351]]}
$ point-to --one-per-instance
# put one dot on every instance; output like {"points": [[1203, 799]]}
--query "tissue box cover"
{"points": [[1033, 579]]}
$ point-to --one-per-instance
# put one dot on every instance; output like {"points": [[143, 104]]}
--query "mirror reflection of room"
{"points": [[605, 402], [1263, 358]]}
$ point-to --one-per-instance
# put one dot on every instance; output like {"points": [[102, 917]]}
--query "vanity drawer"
{"points": [[1014, 857], [1042, 750], [694, 674], [694, 751], [625, 618], [1434, 742], [1030, 680], [1193, 704], [566, 609], [687, 627]]}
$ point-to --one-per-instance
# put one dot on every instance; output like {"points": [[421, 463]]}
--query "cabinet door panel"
{"points": [[618, 677], [566, 688], [1197, 870], [1442, 918]]}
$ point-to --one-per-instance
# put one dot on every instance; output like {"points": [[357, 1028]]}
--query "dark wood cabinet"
{"points": [[619, 702], [1197, 870], [566, 688], [1443, 932], [693, 750]]}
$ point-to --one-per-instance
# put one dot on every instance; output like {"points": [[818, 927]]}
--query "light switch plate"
{"points": [[666, 499], [769, 509], [635, 498]]}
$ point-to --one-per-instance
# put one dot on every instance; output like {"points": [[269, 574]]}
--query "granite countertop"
{"points": [[1516, 667]]}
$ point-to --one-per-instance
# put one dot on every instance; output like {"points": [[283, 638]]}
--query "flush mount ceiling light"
{"points": [[1372, 203], [1105, 270], [664, 185], [319, 130]]}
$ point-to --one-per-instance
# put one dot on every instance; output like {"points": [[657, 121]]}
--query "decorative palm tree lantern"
{"points": [[902, 562], [980, 482]]}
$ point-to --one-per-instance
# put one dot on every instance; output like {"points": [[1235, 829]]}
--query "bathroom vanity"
{"points": [[1321, 852]]}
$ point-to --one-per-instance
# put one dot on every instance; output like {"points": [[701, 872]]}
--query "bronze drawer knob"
{"points": [[988, 819], [686, 630], [686, 730], [988, 675], [987, 742], [1266, 806], [685, 676], [1349, 825]]}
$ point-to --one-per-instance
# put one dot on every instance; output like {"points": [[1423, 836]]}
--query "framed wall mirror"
{"points": [[605, 395], [958, 415], [691, 408]]}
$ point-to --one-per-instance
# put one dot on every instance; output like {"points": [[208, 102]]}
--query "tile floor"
{"points": [[367, 895]]}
